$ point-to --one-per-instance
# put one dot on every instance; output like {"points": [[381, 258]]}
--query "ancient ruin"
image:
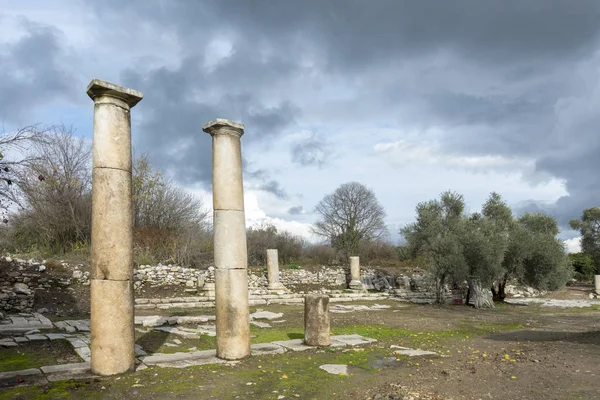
{"points": [[230, 254], [273, 270], [112, 327], [355, 283], [316, 320]]}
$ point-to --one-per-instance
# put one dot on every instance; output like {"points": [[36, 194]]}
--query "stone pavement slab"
{"points": [[294, 344], [266, 348], [352, 340], [336, 369], [24, 376], [266, 315]]}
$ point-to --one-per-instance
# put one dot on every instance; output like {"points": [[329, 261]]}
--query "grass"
{"points": [[37, 354]]}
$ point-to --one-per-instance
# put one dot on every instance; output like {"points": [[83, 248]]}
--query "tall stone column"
{"points": [[231, 256], [355, 282], [273, 270], [111, 291]]}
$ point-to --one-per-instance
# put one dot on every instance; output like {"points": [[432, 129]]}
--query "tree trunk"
{"points": [[482, 298], [500, 293], [440, 283]]}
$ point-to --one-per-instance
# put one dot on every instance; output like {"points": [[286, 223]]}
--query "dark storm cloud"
{"points": [[297, 210], [31, 71], [492, 72], [274, 188], [310, 152]]}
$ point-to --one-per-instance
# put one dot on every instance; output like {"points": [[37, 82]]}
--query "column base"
{"points": [[277, 287], [356, 285]]}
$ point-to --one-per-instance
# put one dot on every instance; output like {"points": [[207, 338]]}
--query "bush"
{"points": [[321, 254], [583, 266], [266, 236], [378, 253]]}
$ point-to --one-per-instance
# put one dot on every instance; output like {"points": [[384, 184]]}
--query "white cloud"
{"points": [[573, 245], [402, 153], [255, 215]]}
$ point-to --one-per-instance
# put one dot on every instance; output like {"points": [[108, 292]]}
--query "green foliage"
{"points": [[583, 265], [487, 248], [589, 227], [438, 235]]}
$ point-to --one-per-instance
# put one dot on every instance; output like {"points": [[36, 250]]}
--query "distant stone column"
{"points": [[231, 256], [316, 320], [111, 291], [355, 282], [273, 270]]}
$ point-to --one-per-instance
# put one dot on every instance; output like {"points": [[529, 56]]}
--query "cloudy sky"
{"points": [[409, 98]]}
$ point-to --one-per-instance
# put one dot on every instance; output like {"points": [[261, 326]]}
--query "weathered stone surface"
{"points": [[355, 283], [227, 164], [76, 367], [112, 225], [260, 324], [36, 337], [294, 344], [405, 351], [316, 320], [335, 369], [273, 270], [266, 348], [353, 340], [266, 315], [231, 259], [230, 239], [111, 298], [159, 358], [24, 376], [233, 321], [21, 288], [112, 333]]}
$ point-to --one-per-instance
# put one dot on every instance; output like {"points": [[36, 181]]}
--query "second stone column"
{"points": [[231, 257]]}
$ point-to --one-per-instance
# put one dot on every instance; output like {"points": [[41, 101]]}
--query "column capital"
{"points": [[222, 126], [97, 89]]}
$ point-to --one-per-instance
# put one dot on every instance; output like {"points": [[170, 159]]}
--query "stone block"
{"points": [[316, 320], [232, 314], [266, 348], [230, 240], [228, 191], [112, 333], [21, 377], [112, 225]]}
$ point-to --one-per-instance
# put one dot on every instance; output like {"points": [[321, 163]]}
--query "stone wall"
{"points": [[19, 279]]}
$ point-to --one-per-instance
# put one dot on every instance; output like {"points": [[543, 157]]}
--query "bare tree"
{"points": [[54, 191], [15, 151], [170, 223], [349, 216]]}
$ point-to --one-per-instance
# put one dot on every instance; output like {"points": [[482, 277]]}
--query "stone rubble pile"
{"points": [[19, 279], [417, 289]]}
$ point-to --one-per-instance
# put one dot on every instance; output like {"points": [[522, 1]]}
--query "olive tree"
{"points": [[589, 228], [486, 239], [438, 236], [350, 216]]}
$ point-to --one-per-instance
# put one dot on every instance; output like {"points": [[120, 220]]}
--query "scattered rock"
{"points": [[335, 369]]}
